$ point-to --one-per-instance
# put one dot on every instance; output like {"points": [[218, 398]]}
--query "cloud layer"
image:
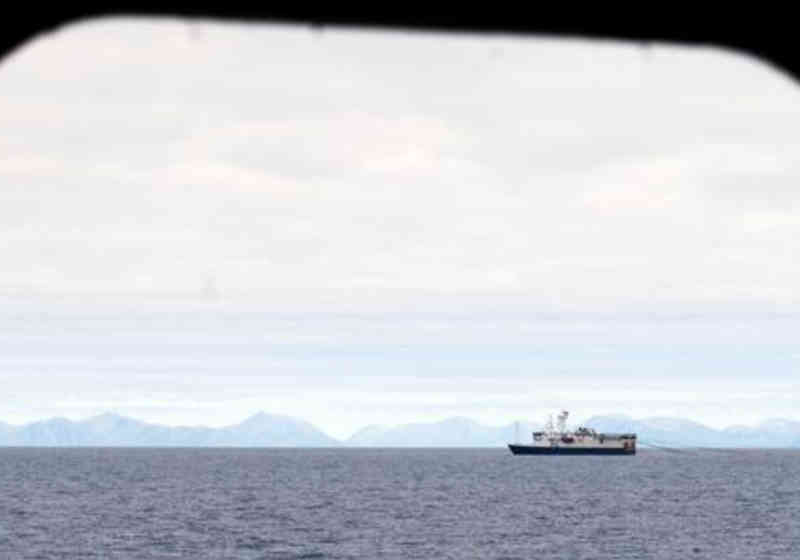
{"points": [[147, 156], [239, 167]]}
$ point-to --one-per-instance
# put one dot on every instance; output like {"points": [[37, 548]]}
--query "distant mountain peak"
{"points": [[105, 417], [458, 421], [262, 417], [255, 417], [55, 420]]}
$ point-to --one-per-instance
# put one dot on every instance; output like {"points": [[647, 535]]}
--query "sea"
{"points": [[81, 503]]}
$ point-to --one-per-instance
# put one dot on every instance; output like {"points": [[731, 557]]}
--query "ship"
{"points": [[558, 440]]}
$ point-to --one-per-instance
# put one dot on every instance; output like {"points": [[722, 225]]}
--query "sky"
{"points": [[201, 220]]}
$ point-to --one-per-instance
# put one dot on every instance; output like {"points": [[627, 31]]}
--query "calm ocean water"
{"points": [[362, 503]]}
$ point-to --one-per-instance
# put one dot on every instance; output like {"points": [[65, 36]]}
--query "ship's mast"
{"points": [[562, 422], [548, 427]]}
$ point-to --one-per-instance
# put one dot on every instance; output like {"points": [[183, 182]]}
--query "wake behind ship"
{"points": [[557, 440]]}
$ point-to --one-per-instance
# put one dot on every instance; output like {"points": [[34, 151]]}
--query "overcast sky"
{"points": [[203, 220]]}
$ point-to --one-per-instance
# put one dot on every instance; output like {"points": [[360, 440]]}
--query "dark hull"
{"points": [[564, 450]]}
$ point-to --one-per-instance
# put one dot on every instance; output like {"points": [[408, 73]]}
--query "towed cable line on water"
{"points": [[692, 449]]}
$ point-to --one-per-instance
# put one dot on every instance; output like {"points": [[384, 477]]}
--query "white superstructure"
{"points": [[557, 438]]}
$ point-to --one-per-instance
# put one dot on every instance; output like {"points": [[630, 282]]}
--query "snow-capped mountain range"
{"points": [[267, 430]]}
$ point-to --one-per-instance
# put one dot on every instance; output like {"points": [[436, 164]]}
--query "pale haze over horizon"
{"points": [[202, 220]]}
